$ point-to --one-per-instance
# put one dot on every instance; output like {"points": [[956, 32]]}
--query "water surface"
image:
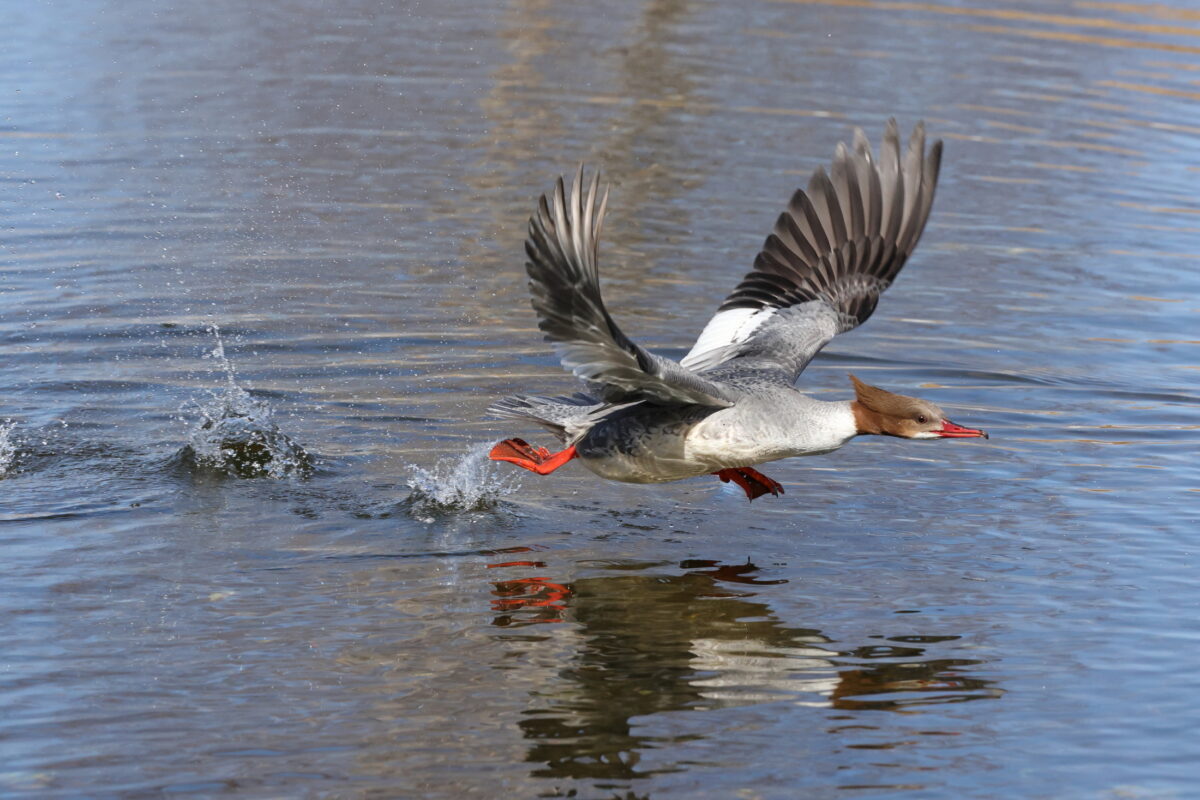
{"points": [[343, 192]]}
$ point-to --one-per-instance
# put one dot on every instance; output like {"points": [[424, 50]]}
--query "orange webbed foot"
{"points": [[753, 482], [518, 451], [521, 453]]}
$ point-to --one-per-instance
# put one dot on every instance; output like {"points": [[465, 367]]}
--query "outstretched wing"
{"points": [[562, 248], [838, 246]]}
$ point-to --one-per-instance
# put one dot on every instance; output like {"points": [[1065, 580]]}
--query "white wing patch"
{"points": [[727, 328]]}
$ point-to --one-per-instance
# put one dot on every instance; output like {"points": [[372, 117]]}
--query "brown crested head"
{"points": [[880, 411]]}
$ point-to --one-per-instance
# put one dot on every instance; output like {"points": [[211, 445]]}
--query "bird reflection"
{"points": [[697, 639]]}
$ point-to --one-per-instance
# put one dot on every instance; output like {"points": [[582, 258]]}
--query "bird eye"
{"points": [[922, 419]]}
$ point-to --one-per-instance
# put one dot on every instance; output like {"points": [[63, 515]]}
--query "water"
{"points": [[344, 192]]}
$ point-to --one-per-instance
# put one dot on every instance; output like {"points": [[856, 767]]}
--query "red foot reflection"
{"points": [[528, 601]]}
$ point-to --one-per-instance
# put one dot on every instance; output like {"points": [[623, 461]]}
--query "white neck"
{"points": [[822, 427]]}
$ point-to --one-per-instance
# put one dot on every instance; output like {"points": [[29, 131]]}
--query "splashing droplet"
{"points": [[466, 483], [8, 448]]}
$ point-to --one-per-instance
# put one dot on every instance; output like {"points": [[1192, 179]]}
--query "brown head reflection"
{"points": [[892, 677]]}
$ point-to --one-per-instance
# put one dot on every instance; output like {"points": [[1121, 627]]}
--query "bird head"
{"points": [[880, 411]]}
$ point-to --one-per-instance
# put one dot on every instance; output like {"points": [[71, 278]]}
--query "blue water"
{"points": [[343, 191]]}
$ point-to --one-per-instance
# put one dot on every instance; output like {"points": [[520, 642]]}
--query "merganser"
{"points": [[730, 402]]}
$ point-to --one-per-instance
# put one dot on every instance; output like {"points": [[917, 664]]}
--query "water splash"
{"points": [[236, 434], [466, 483], [8, 448], [218, 354]]}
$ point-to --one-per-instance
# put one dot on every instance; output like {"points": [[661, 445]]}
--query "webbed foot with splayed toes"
{"points": [[539, 460], [753, 482]]}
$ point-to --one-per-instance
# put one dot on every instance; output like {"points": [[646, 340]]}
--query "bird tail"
{"points": [[568, 418]]}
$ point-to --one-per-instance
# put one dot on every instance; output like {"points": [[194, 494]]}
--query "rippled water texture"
{"points": [[288, 570]]}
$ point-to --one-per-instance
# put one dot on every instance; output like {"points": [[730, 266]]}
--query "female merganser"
{"points": [[730, 402]]}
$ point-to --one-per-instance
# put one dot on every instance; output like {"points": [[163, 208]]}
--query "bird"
{"points": [[731, 403]]}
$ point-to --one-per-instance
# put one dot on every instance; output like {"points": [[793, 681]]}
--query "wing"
{"points": [[562, 249], [838, 246]]}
